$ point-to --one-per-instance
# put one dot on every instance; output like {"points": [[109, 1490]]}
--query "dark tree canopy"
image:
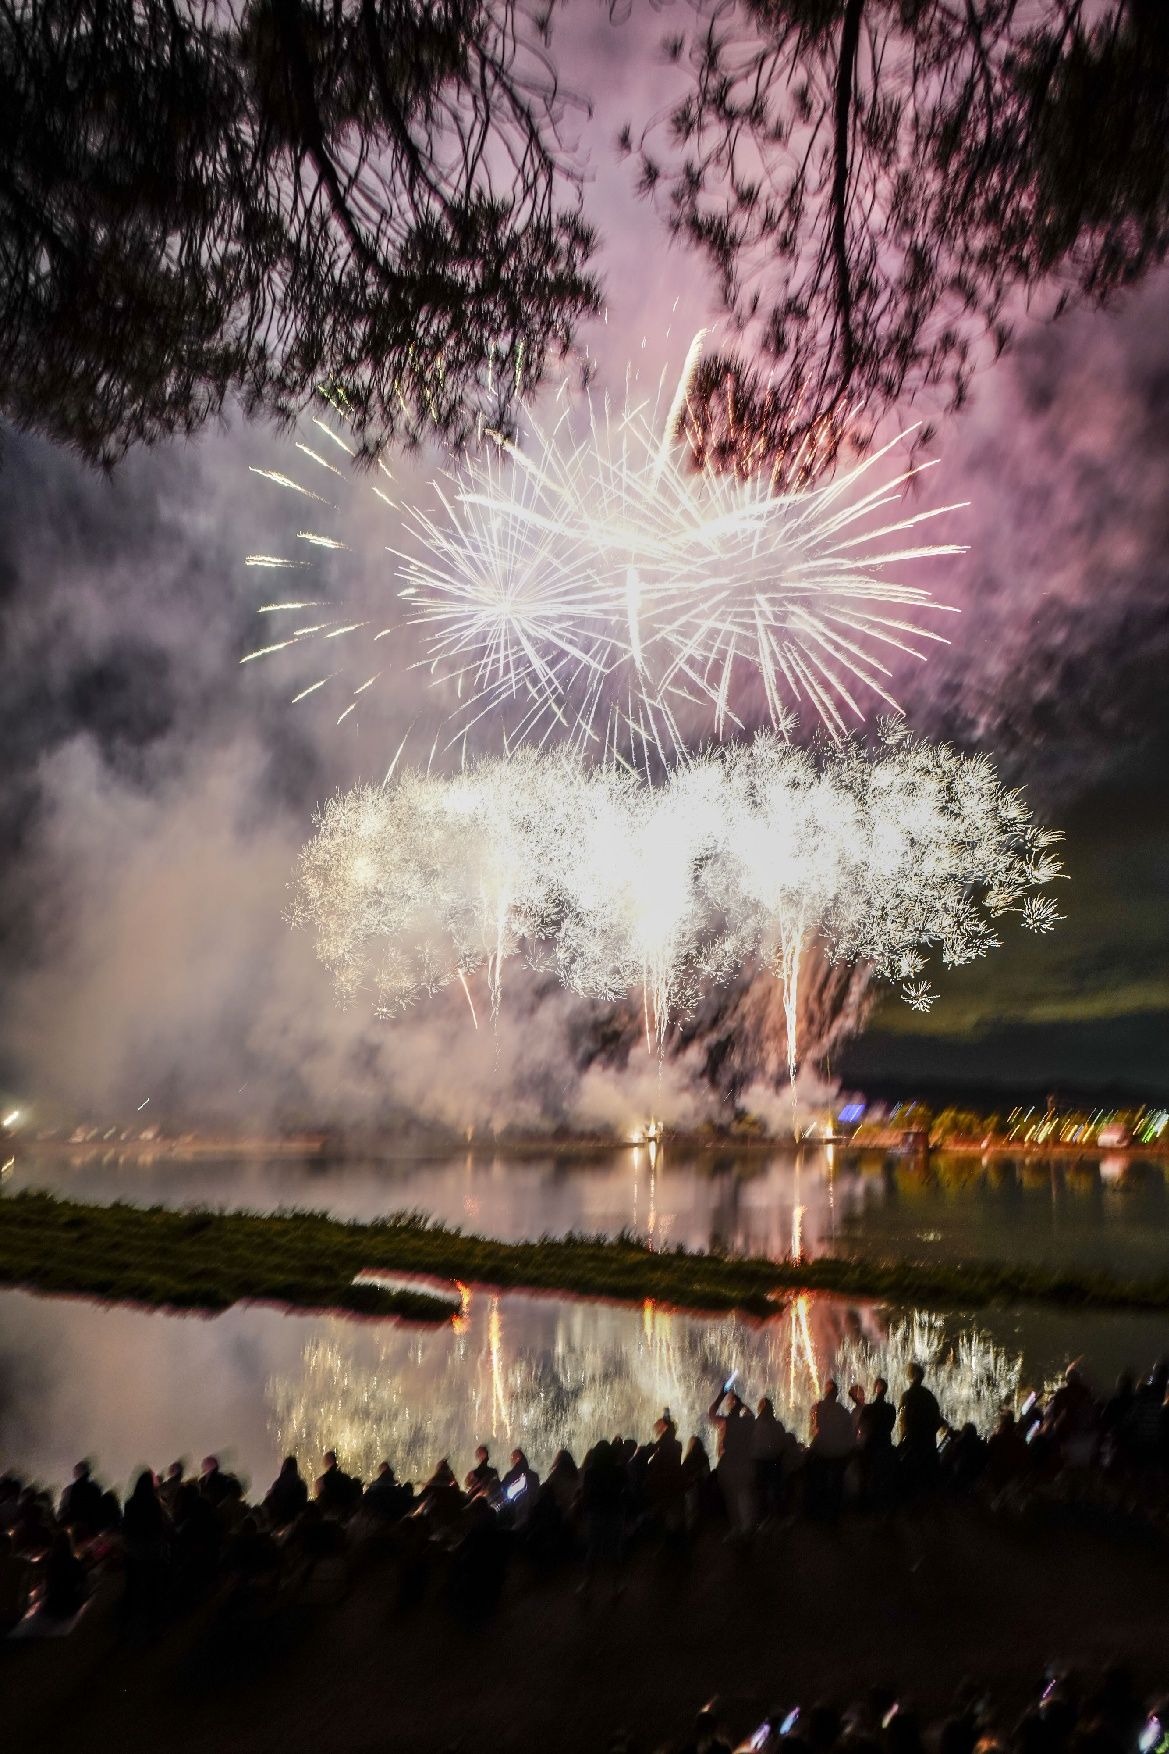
{"points": [[200, 201], [882, 186], [207, 199]]}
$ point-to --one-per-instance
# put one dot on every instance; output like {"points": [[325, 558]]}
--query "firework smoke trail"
{"points": [[749, 853], [739, 1030], [592, 590]]}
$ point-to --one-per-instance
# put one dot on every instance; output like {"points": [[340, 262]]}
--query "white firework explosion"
{"points": [[594, 591], [757, 852]]}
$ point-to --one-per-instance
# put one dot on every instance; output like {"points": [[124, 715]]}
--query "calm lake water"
{"points": [[129, 1387]]}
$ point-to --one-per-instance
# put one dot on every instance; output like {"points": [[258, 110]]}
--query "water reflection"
{"points": [[542, 1374], [1055, 1209], [134, 1389]]}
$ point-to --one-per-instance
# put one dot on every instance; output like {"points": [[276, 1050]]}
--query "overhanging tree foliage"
{"points": [[199, 201], [882, 185], [254, 197]]}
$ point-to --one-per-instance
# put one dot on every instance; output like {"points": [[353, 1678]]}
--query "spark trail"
{"points": [[590, 589], [755, 852]]}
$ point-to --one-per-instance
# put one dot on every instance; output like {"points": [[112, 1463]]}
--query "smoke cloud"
{"points": [[154, 796]]}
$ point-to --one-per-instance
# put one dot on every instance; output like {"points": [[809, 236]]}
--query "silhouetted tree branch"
{"points": [[199, 201], [882, 186]]}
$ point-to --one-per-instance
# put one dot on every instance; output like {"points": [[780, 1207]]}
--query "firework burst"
{"points": [[756, 852], [593, 589]]}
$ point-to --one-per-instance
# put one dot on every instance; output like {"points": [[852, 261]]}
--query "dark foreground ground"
{"points": [[806, 1613]]}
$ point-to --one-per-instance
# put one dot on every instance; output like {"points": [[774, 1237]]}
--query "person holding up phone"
{"points": [[736, 1459]]}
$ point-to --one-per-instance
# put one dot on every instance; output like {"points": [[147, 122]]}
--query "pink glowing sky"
{"points": [[154, 794]]}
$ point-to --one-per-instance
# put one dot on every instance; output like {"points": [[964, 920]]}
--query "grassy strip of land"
{"points": [[210, 1260], [186, 1260]]}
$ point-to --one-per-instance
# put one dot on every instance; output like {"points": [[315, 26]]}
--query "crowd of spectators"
{"points": [[1067, 1713], [178, 1538]]}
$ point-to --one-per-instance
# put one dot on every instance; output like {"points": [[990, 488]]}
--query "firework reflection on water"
{"points": [[543, 1374]]}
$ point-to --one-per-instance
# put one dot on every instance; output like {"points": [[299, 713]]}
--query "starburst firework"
{"points": [[592, 589]]}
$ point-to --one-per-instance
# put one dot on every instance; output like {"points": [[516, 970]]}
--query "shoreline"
{"points": [[322, 1149], [183, 1258]]}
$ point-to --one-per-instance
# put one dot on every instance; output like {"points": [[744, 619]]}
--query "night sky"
{"points": [[153, 794], [1085, 1009]]}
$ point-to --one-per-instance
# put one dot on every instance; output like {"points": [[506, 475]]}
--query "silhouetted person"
{"points": [[697, 1482], [387, 1497], [170, 1488], [770, 1442], [32, 1530], [483, 1478], [336, 1491], [1007, 1455], [832, 1444], [315, 1537], [1071, 1420], [1116, 1421], [81, 1503], [920, 1421], [563, 1480], [548, 1536], [965, 1458], [287, 1495], [214, 1483], [877, 1419], [16, 1574], [440, 1502], [111, 1513], [146, 1538], [519, 1487], [875, 1425], [664, 1484], [64, 1580], [198, 1541], [1146, 1424], [602, 1503], [736, 1463]]}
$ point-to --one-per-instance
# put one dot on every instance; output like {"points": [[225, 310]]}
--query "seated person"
{"points": [[482, 1481], [388, 1497]]}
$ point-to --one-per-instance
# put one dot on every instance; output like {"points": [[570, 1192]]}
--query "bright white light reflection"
{"points": [[523, 1372]]}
